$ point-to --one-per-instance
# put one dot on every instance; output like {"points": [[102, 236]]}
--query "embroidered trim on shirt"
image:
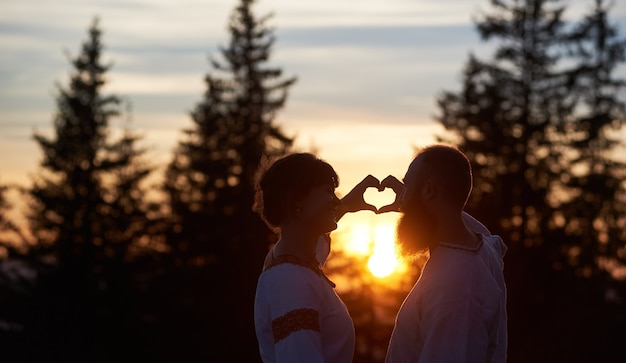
{"points": [[293, 321], [453, 246], [275, 261]]}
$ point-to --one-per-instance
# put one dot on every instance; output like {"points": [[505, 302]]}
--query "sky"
{"points": [[369, 71]]}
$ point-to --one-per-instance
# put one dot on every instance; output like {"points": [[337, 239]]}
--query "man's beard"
{"points": [[415, 231]]}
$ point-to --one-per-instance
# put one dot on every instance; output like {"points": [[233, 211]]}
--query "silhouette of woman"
{"points": [[297, 314]]}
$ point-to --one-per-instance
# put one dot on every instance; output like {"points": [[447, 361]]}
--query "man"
{"points": [[456, 312]]}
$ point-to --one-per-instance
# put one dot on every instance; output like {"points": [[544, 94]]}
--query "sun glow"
{"points": [[360, 239], [378, 242], [383, 262]]}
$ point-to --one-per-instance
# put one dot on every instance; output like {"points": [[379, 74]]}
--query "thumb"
{"points": [[388, 208], [367, 206]]}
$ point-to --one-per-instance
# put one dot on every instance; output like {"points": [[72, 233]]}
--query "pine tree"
{"points": [[131, 217], [12, 238], [507, 120], [13, 244], [86, 213], [506, 114], [594, 220], [213, 169], [217, 242], [535, 121]]}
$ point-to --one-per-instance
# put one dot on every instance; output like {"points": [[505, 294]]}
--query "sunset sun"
{"points": [[377, 242], [383, 261]]}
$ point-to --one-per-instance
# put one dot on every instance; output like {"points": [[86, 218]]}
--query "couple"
{"points": [[456, 312]]}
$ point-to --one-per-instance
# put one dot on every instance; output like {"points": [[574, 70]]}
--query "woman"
{"points": [[297, 314]]}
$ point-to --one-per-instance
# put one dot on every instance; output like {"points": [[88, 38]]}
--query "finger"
{"points": [[384, 209], [360, 207], [369, 207], [390, 181], [370, 181], [393, 183], [388, 208]]}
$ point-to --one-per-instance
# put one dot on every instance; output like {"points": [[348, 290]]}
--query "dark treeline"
{"points": [[539, 123], [109, 268]]}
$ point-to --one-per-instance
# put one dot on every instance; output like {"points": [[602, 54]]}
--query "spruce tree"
{"points": [[593, 218], [535, 121], [13, 244], [216, 241], [86, 212], [507, 119], [12, 238]]}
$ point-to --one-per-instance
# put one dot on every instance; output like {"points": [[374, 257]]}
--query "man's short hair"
{"points": [[452, 169]]}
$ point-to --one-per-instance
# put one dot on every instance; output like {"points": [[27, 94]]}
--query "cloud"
{"points": [[322, 13], [150, 84], [367, 69], [381, 37]]}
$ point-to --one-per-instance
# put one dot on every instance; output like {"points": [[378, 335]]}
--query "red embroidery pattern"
{"points": [[293, 321]]}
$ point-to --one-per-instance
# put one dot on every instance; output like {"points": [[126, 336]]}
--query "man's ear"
{"points": [[429, 189]]}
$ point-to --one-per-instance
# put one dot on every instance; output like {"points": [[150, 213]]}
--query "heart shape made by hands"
{"points": [[378, 198]]}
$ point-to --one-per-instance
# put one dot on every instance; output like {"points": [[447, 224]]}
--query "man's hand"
{"points": [[398, 188]]}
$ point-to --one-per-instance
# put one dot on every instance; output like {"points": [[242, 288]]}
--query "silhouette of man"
{"points": [[456, 311]]}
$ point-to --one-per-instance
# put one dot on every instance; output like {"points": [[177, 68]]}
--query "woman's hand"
{"points": [[354, 201]]}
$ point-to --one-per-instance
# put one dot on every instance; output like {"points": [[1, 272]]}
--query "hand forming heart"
{"points": [[379, 198], [354, 201], [398, 188]]}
